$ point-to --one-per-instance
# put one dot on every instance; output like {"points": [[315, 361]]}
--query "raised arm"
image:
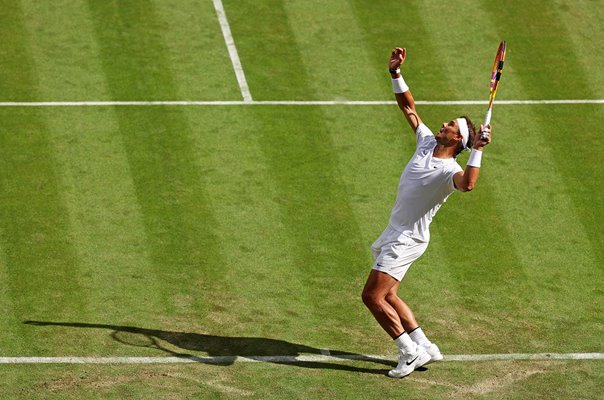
{"points": [[403, 95]]}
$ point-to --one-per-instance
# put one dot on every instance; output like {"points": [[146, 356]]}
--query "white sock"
{"points": [[405, 344], [419, 337]]}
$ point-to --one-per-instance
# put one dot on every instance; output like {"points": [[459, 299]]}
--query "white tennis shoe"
{"points": [[409, 363], [434, 352]]}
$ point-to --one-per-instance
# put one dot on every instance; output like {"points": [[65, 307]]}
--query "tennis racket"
{"points": [[494, 85]]}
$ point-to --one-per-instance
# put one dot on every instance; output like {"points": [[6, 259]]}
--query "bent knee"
{"points": [[369, 298], [366, 297], [372, 300]]}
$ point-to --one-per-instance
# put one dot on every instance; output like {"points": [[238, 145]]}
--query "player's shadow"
{"points": [[224, 350]]}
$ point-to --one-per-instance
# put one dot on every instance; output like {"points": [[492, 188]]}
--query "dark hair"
{"points": [[472, 132]]}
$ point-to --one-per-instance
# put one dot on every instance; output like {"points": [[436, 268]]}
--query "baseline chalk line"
{"points": [[290, 359]]}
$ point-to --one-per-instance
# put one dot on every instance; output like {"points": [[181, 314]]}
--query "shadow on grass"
{"points": [[224, 350]]}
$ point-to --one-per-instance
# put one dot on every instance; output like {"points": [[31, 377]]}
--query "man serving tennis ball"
{"points": [[428, 180]]}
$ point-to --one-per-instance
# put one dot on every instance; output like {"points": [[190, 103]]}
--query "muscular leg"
{"points": [[404, 312], [376, 290]]}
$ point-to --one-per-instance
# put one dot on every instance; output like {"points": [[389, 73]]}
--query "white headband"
{"points": [[463, 129]]}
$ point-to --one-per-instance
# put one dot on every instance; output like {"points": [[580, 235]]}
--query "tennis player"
{"points": [[428, 180]]}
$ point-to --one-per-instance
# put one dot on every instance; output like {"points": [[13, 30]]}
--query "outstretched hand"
{"points": [[479, 142], [397, 58]]}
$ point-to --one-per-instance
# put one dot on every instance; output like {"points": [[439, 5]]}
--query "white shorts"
{"points": [[394, 252]]}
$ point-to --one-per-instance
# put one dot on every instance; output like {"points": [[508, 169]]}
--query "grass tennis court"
{"points": [[244, 230]]}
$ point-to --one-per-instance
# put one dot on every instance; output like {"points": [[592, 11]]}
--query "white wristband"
{"points": [[399, 85], [475, 158]]}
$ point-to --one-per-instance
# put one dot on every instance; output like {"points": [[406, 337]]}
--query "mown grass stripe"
{"points": [[105, 217], [10, 291], [315, 219], [535, 46], [7, 303], [554, 216], [63, 50], [267, 48], [333, 52], [581, 22], [94, 176], [565, 131], [424, 70], [579, 135], [164, 167], [41, 265], [255, 251], [195, 48]]}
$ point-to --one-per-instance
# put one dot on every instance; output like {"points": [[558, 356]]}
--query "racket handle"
{"points": [[487, 120]]}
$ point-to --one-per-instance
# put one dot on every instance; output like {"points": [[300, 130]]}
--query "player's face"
{"points": [[448, 132]]}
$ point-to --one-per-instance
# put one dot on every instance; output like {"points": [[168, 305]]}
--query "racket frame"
{"points": [[496, 72]]}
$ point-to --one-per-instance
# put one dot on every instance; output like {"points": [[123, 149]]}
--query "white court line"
{"points": [[230, 43], [281, 102], [290, 359]]}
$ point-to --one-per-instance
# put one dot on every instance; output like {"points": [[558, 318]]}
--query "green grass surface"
{"points": [[576, 379], [245, 230]]}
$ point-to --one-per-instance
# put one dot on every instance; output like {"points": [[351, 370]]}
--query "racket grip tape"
{"points": [[487, 120]]}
